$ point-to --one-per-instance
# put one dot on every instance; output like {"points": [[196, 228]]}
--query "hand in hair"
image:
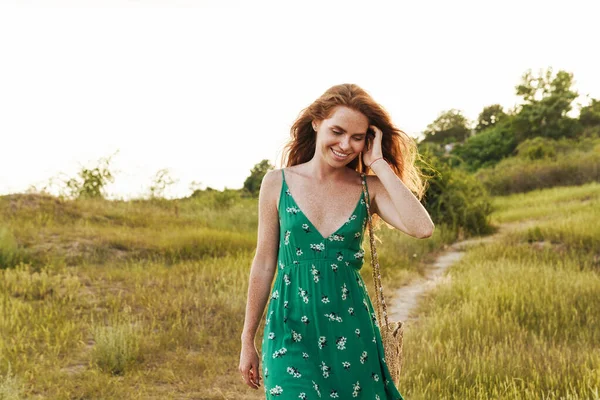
{"points": [[372, 149]]}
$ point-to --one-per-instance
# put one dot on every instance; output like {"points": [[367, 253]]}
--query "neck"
{"points": [[322, 171]]}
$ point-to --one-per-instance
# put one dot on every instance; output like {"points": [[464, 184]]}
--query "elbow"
{"points": [[426, 233]]}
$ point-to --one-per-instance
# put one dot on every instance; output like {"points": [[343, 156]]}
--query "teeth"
{"points": [[339, 154]]}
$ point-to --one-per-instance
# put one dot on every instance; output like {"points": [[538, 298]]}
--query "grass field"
{"points": [[137, 300], [519, 318], [146, 300]]}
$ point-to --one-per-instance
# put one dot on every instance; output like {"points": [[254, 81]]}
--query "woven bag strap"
{"points": [[380, 299]]}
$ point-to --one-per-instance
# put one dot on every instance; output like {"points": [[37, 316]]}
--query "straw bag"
{"points": [[392, 333]]}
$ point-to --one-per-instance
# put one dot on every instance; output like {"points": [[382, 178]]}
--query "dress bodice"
{"points": [[300, 241]]}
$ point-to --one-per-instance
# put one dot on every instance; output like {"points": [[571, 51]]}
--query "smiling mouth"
{"points": [[338, 154]]}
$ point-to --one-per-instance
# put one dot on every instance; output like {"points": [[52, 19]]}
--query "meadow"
{"points": [[137, 300], [518, 318], [146, 300]]}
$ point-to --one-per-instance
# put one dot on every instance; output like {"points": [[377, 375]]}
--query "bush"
{"points": [[487, 147], [10, 253], [9, 387], [215, 199], [116, 349], [518, 175], [536, 149], [454, 198]]}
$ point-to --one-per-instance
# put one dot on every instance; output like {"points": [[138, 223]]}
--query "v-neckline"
{"points": [[308, 219]]}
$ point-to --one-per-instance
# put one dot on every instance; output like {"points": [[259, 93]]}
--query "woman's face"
{"points": [[342, 136]]}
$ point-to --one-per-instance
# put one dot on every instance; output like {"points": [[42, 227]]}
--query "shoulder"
{"points": [[271, 185], [272, 181]]}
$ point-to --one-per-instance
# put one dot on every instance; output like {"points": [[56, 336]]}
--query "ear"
{"points": [[315, 125]]}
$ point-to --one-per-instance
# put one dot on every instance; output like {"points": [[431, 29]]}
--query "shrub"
{"points": [[116, 349], [536, 149], [521, 175], [9, 387], [487, 147], [10, 254], [454, 198]]}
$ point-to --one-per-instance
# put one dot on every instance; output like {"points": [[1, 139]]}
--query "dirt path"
{"points": [[405, 299]]}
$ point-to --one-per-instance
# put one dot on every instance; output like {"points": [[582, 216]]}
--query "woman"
{"points": [[321, 337]]}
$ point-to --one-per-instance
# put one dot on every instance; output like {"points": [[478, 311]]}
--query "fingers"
{"points": [[255, 374], [375, 129], [249, 376]]}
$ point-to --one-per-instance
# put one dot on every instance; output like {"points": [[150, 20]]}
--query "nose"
{"points": [[344, 143]]}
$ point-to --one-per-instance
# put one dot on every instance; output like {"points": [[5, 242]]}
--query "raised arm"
{"points": [[396, 204], [262, 272]]}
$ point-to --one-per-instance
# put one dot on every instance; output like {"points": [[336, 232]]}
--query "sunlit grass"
{"points": [[518, 318], [146, 300], [179, 270], [10, 387], [116, 347], [553, 203]]}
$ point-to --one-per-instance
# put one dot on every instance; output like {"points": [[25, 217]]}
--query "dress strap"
{"points": [[366, 187], [282, 174]]}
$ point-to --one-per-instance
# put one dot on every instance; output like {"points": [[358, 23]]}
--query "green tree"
{"points": [[252, 183], [590, 115], [449, 127], [490, 116], [547, 100], [487, 147]]}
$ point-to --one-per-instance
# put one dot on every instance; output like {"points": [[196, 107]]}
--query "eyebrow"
{"points": [[343, 130]]}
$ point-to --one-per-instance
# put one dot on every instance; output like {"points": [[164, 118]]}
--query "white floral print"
{"points": [[356, 389], [279, 352], [341, 343], [336, 237], [296, 337], [276, 391], [334, 317], [315, 272], [345, 292], [314, 324], [304, 294], [317, 246], [294, 372]]}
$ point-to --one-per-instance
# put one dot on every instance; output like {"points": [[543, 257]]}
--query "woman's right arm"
{"points": [[264, 264]]}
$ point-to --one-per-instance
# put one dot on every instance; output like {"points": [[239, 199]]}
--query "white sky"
{"points": [[209, 89]]}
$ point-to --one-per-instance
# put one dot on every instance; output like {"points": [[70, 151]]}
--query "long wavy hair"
{"points": [[399, 149]]}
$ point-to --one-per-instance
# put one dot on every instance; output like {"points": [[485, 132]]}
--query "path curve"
{"points": [[405, 299]]}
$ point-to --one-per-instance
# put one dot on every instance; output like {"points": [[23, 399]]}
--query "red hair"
{"points": [[399, 149]]}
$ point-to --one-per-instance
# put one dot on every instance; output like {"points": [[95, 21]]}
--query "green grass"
{"points": [[146, 300], [569, 162], [518, 317], [552, 204], [142, 299]]}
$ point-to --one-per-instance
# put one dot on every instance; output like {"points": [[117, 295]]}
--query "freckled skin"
{"points": [[326, 191], [335, 180]]}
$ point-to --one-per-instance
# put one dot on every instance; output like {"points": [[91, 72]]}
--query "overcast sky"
{"points": [[208, 89]]}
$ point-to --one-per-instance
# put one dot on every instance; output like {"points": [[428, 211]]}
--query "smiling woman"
{"points": [[321, 336]]}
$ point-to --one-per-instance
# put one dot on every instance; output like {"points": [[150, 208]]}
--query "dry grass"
{"points": [[146, 300]]}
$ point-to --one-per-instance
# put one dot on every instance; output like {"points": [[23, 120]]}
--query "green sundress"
{"points": [[321, 337]]}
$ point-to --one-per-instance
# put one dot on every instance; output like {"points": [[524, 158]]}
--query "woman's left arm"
{"points": [[392, 200], [396, 204]]}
